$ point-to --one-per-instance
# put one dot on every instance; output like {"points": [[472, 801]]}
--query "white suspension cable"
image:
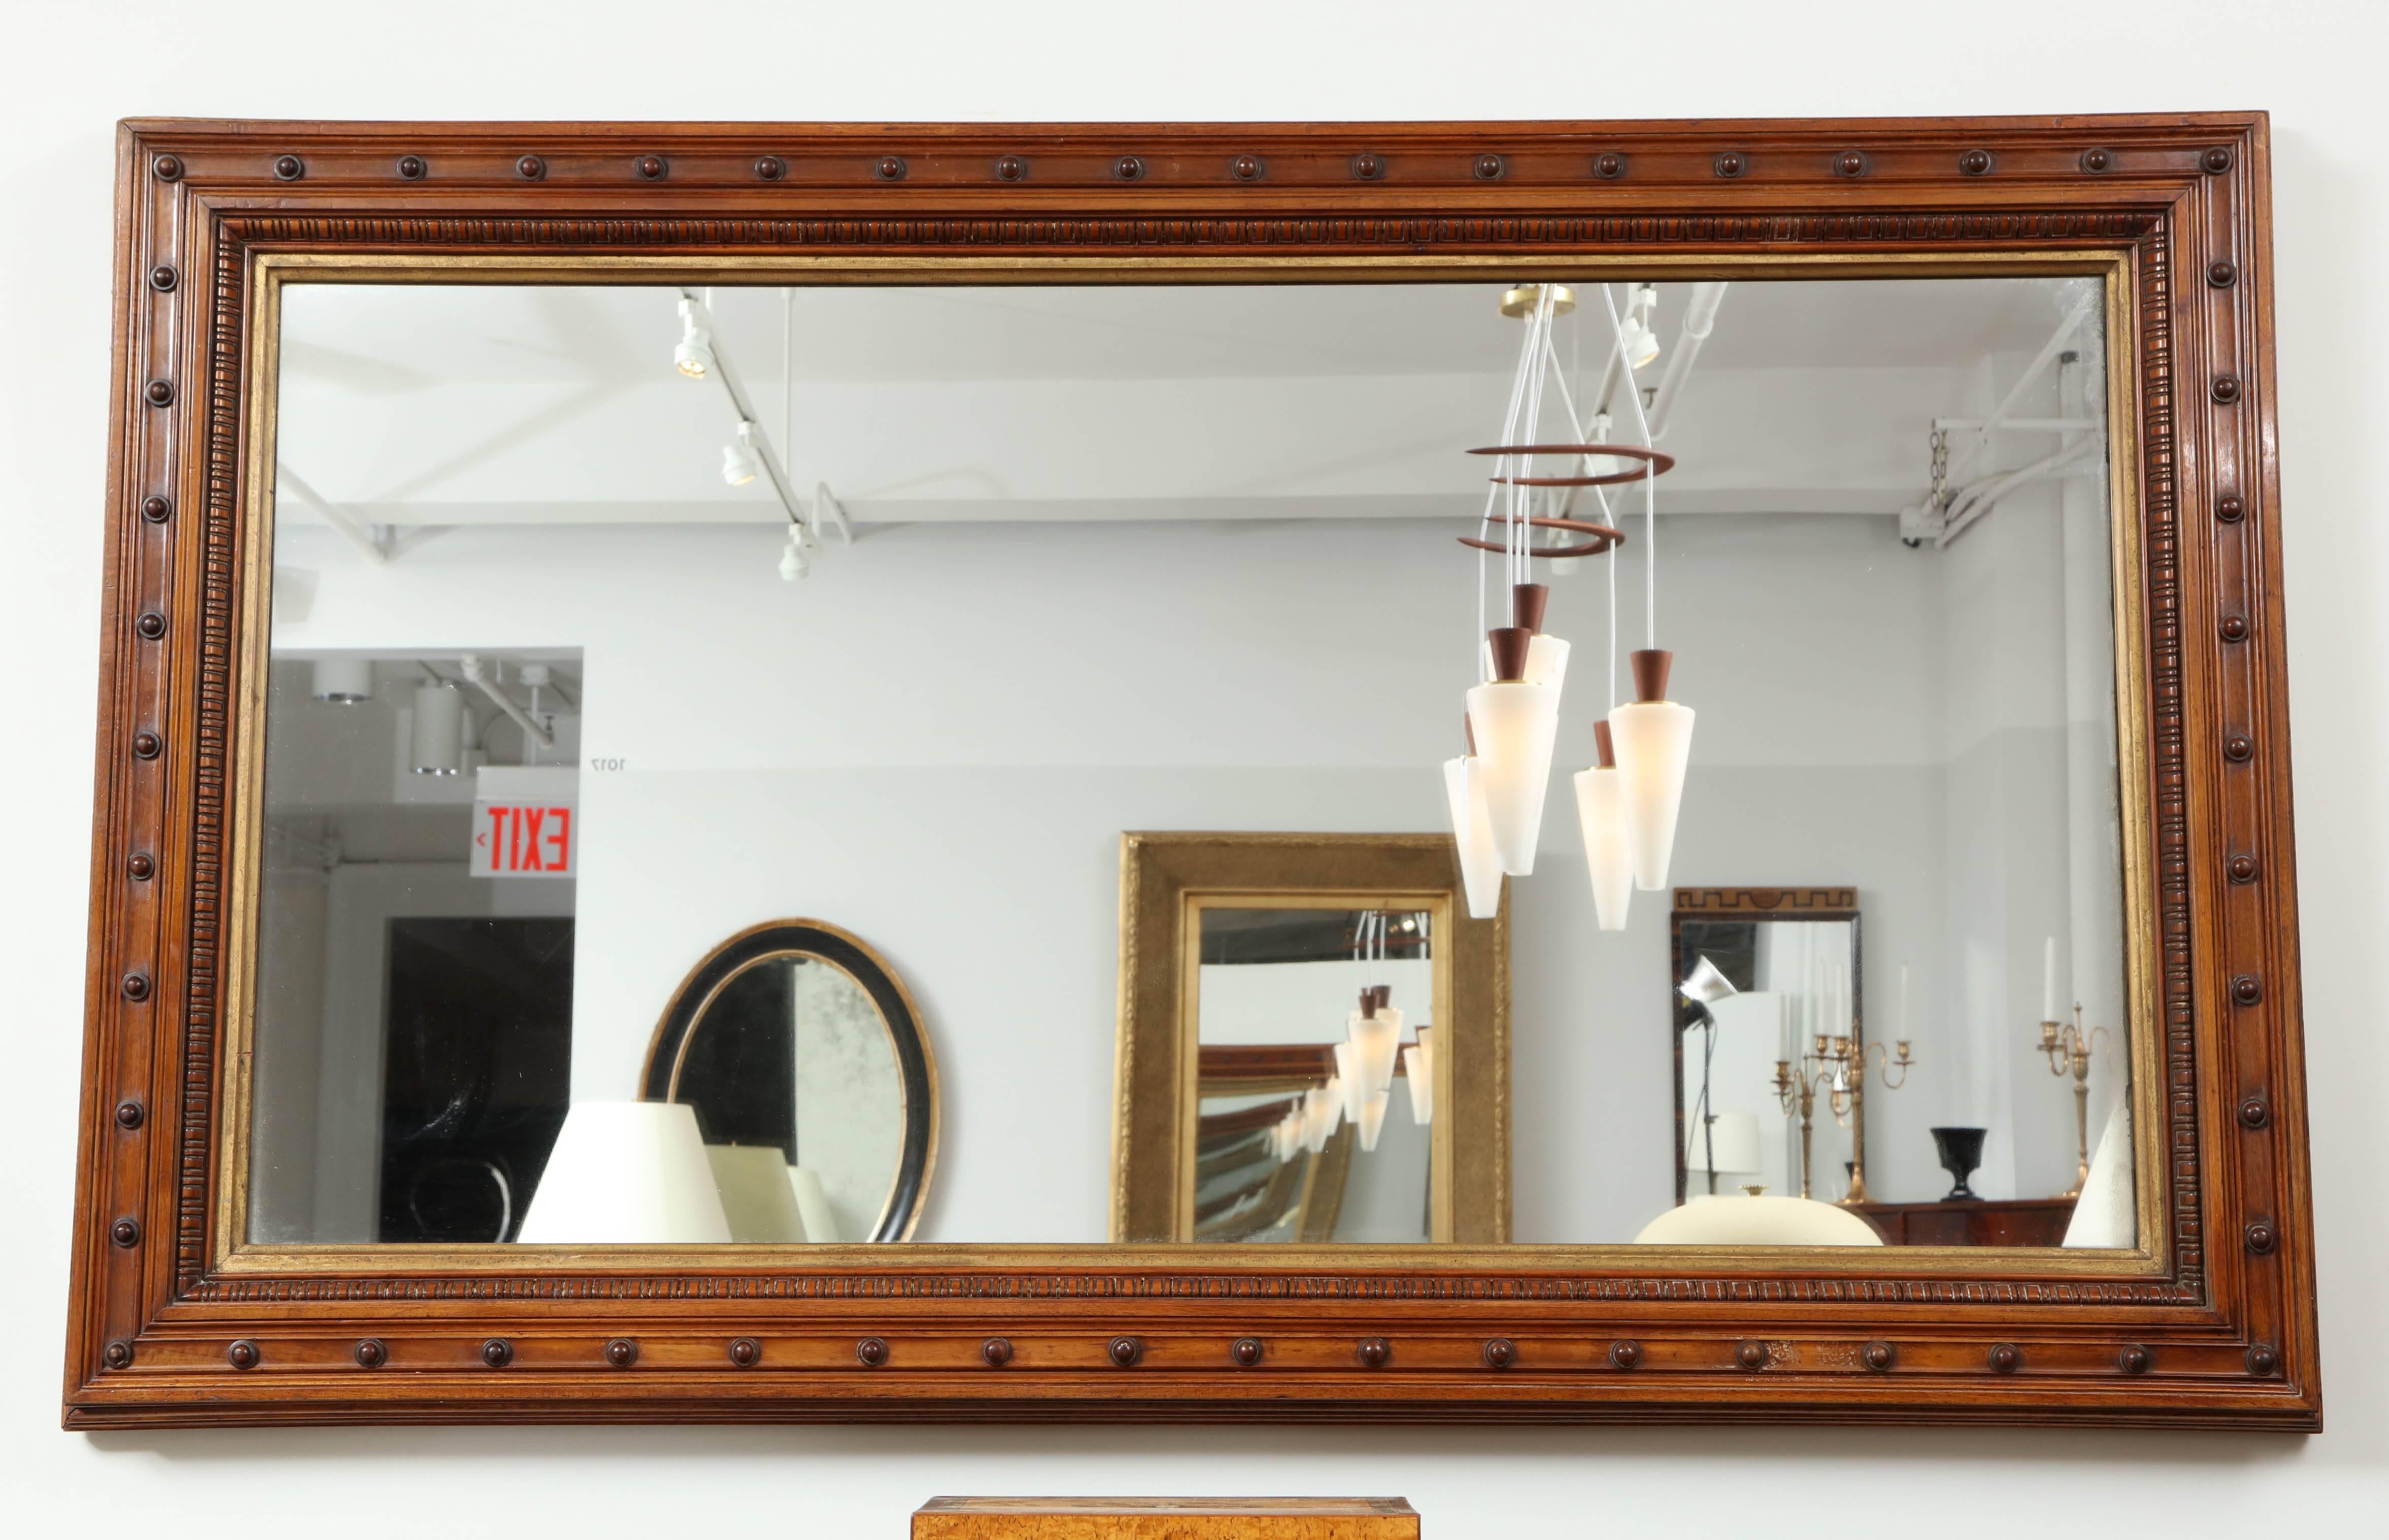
{"points": [[1649, 493], [1476, 650]]}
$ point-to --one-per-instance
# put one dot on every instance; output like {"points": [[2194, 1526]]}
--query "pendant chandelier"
{"points": [[1652, 736], [1627, 802], [1372, 1036]]}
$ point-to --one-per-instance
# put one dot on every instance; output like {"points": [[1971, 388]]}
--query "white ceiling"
{"points": [[434, 404]]}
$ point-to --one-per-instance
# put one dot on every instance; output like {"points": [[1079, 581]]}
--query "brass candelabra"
{"points": [[1837, 1066], [2068, 1045]]}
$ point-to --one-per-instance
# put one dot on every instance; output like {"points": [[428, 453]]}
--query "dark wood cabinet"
{"points": [[1972, 1222]]}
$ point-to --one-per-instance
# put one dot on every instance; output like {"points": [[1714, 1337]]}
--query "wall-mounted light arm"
{"points": [[1700, 319], [521, 719]]}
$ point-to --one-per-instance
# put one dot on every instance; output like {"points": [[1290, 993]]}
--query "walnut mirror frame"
{"points": [[2211, 1322]]}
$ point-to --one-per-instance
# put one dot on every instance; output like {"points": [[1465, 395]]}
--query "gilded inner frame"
{"points": [[1485, 1199]]}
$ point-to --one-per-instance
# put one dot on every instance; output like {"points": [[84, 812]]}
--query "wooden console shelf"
{"points": [[1972, 1222]]}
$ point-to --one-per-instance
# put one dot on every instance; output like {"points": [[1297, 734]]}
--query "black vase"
{"points": [[1961, 1150]]}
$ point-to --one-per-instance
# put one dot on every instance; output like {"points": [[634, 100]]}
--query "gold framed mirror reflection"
{"points": [[1170, 885]]}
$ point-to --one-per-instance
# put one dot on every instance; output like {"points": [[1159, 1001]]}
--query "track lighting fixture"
{"points": [[793, 561], [1636, 338], [436, 741], [738, 465], [694, 357], [344, 680]]}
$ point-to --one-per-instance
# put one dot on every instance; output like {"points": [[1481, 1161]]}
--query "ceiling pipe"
{"points": [[2048, 354], [1700, 319], [371, 539]]}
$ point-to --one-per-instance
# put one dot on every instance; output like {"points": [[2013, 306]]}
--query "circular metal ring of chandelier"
{"points": [[1655, 462], [1603, 539]]}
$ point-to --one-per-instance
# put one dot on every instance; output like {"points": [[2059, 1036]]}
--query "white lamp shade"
{"points": [[1318, 1112], [436, 741], [757, 1200], [1418, 1073], [1547, 660], [1348, 1082], [1373, 1118], [1735, 1136], [1744, 1221], [348, 681], [2103, 1215], [1655, 744], [812, 1204], [1472, 833], [1601, 811], [1376, 1041], [1514, 724], [626, 1173]]}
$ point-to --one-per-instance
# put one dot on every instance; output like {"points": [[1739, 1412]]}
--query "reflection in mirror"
{"points": [[1315, 1038], [591, 642]]}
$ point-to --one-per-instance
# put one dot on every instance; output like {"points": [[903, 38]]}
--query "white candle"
{"points": [[1903, 1002], [2048, 980]]}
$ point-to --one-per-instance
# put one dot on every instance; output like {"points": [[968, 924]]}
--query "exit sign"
{"points": [[525, 821]]}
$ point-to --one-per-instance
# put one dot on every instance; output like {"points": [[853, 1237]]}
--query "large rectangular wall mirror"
{"points": [[648, 740]]}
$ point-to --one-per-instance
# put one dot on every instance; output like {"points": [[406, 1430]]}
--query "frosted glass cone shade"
{"points": [[1418, 1073], [626, 1173], [1318, 1112], [1373, 1118], [1375, 1043], [1514, 724], [1348, 1082], [1472, 833], [1655, 744], [1547, 659], [1601, 811]]}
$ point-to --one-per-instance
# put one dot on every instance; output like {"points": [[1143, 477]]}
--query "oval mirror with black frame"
{"points": [[803, 1059]]}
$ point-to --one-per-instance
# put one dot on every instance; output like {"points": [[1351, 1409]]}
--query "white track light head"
{"points": [[694, 357], [344, 680], [738, 465]]}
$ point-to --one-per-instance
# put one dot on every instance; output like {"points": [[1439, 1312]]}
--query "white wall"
{"points": [[936, 740], [1232, 59]]}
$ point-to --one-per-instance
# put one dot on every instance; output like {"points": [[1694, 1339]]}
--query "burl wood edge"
{"points": [[1165, 1519], [172, 1323]]}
